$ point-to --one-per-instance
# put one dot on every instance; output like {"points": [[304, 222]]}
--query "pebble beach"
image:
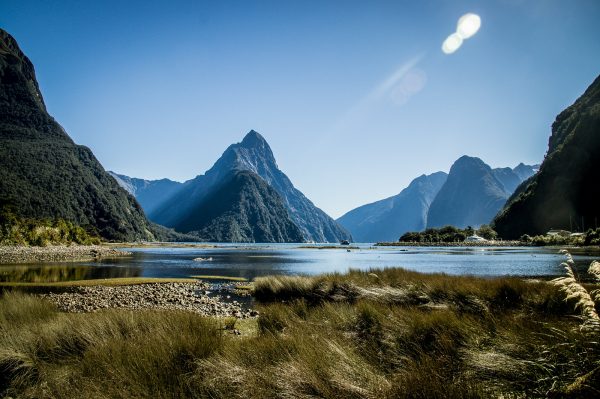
{"points": [[191, 297], [56, 253]]}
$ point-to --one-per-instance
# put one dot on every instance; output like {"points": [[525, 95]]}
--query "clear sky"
{"points": [[356, 98]]}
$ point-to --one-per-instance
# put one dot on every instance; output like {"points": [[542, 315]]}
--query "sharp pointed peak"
{"points": [[252, 138]]}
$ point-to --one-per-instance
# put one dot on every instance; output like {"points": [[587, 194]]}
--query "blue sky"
{"points": [[161, 88]]}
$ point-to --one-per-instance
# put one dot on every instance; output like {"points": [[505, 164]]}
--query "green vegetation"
{"points": [[591, 237], [20, 231], [43, 173], [385, 333], [448, 234], [99, 355]]}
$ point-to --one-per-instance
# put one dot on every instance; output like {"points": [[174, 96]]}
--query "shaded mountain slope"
{"points": [[241, 208], [509, 179], [149, 193], [564, 193], [43, 173], [471, 196], [388, 219]]}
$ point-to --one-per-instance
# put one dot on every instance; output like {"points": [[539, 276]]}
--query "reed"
{"points": [[577, 294]]}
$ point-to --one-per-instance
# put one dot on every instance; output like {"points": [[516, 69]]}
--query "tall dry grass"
{"points": [[577, 294], [378, 334], [44, 353]]}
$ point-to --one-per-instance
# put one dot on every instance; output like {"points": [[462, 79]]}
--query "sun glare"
{"points": [[452, 43], [468, 25]]}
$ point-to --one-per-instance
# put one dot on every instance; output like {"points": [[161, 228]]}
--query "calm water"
{"points": [[257, 260]]}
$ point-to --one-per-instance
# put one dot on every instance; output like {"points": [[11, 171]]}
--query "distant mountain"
{"points": [[509, 179], [471, 195], [242, 207], [565, 193], [388, 219], [149, 193], [525, 171], [43, 173], [253, 154]]}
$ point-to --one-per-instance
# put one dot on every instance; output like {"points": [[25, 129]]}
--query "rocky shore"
{"points": [[56, 253], [192, 297]]}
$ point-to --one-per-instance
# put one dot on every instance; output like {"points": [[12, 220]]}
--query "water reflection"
{"points": [[62, 272]]}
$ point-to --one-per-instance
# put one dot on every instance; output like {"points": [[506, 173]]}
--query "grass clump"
{"points": [[377, 334], [44, 353]]}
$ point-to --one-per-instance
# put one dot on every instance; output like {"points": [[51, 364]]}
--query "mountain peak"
{"points": [[252, 154], [471, 195], [468, 160], [253, 139], [18, 75]]}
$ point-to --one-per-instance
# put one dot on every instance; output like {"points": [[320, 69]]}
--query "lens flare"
{"points": [[412, 83], [452, 43], [468, 25]]}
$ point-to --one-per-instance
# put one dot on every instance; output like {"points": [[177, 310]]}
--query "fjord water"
{"points": [[253, 260]]}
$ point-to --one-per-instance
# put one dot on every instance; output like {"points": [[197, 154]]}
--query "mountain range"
{"points": [[469, 195], [185, 207], [149, 193], [565, 192], [45, 175], [244, 196], [472, 195], [387, 219]]}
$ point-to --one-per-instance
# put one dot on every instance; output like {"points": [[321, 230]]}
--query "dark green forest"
{"points": [[43, 174]]}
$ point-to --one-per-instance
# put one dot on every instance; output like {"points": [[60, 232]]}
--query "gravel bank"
{"points": [[56, 253], [191, 297]]}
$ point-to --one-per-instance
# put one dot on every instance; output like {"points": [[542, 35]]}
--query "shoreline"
{"points": [[57, 253], [157, 244]]}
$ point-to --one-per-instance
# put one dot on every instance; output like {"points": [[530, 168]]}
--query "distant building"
{"points": [[475, 238]]}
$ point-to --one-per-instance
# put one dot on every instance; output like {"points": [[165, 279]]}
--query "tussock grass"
{"points": [[109, 354], [404, 287], [378, 334]]}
